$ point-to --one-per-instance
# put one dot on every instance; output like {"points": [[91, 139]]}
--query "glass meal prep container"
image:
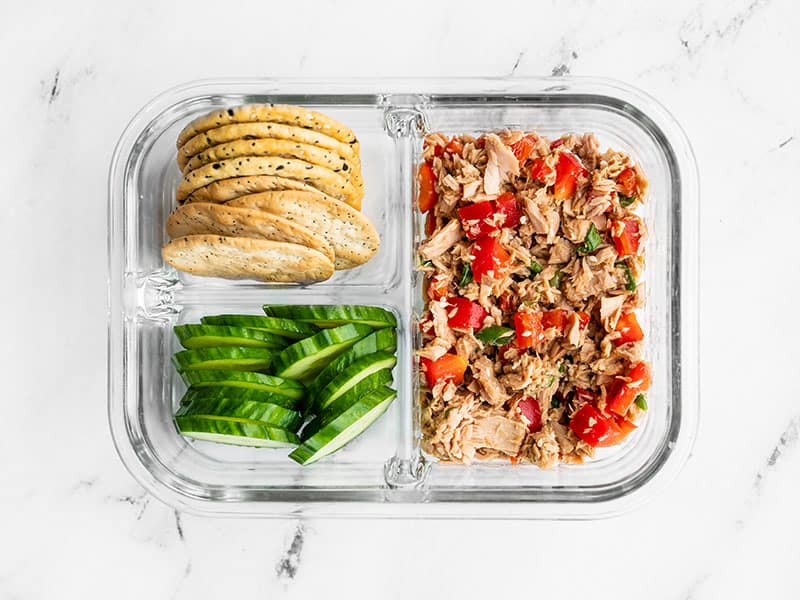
{"points": [[384, 473]]}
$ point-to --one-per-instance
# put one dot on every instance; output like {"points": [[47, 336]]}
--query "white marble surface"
{"points": [[74, 524]]}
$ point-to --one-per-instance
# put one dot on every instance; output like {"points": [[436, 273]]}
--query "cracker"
{"points": [[246, 258], [314, 155], [352, 236], [205, 218], [250, 131], [322, 179], [270, 113], [228, 189]]}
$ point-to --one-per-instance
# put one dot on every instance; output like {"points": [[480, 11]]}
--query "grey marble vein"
{"points": [[513, 70], [290, 562], [54, 89], [732, 27], [786, 141], [178, 525]]}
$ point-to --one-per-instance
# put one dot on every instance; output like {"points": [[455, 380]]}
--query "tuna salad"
{"points": [[531, 347]]}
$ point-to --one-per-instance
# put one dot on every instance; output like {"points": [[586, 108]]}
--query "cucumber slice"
{"points": [[287, 328], [239, 433], [208, 336], [383, 340], [345, 427], [346, 400], [197, 392], [333, 315], [232, 359], [352, 376], [245, 380], [228, 402], [304, 359]]}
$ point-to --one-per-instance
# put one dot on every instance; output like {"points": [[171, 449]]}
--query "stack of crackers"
{"points": [[269, 192]]}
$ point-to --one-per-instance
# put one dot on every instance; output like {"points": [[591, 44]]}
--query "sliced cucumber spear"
{"points": [[208, 336], [383, 340], [352, 376], [304, 359], [239, 433], [345, 427], [287, 328], [347, 399], [246, 381], [231, 403], [233, 359], [330, 315]]}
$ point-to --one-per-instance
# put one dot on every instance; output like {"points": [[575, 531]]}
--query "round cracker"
{"points": [[324, 180], [228, 189], [353, 237], [246, 258], [314, 155], [249, 131], [206, 218], [270, 113]]}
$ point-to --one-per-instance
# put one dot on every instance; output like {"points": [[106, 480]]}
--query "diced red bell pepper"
{"points": [[508, 207], [477, 219], [454, 146], [523, 148], [627, 181], [427, 187], [466, 314], [531, 413], [556, 143], [639, 376], [489, 258], [621, 393], [555, 318], [568, 168], [629, 329], [528, 326], [448, 367], [620, 428], [430, 223], [589, 425], [619, 397], [626, 236], [584, 318], [480, 142], [540, 171], [437, 288]]}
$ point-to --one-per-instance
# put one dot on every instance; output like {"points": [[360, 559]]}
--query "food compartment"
{"points": [[619, 469]]}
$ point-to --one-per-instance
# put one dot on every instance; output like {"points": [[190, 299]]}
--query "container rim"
{"points": [[362, 89]]}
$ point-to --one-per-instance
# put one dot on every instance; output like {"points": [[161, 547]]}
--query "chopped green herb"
{"points": [[535, 267], [426, 263], [466, 275], [555, 280], [555, 403], [626, 201], [496, 335], [640, 401], [592, 240], [562, 368], [551, 381], [631, 282]]}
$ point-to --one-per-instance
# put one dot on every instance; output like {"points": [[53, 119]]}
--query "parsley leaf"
{"points": [[555, 280], [631, 284], [496, 335], [466, 275], [625, 201], [536, 268], [640, 402], [592, 240]]}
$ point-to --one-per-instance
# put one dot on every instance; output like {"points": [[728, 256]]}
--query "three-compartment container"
{"points": [[384, 472]]}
